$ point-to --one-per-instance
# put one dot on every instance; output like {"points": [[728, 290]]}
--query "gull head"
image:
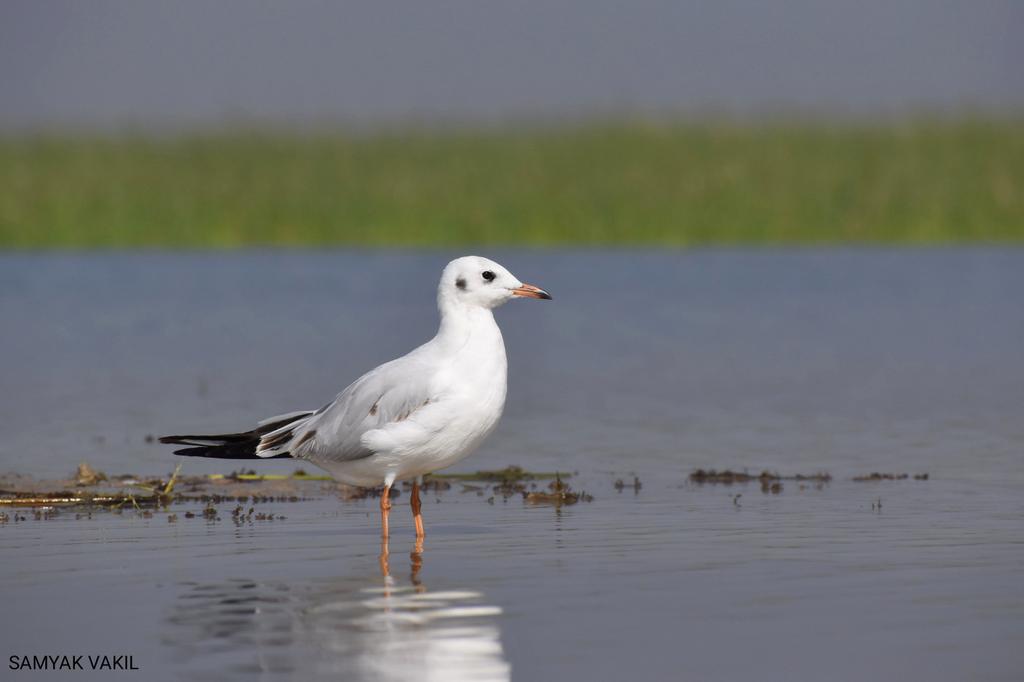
{"points": [[473, 281]]}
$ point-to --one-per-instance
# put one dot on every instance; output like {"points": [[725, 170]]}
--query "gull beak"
{"points": [[530, 291]]}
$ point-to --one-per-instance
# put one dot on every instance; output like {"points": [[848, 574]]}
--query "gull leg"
{"points": [[417, 517], [416, 564], [385, 507], [385, 567]]}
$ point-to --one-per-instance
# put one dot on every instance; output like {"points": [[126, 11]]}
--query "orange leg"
{"points": [[416, 564], [385, 507], [385, 567], [417, 517]]}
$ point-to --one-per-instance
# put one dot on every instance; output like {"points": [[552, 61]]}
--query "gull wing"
{"points": [[388, 394]]}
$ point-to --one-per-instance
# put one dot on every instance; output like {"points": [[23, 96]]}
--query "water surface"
{"points": [[647, 364]]}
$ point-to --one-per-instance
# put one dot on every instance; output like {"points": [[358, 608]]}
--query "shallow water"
{"points": [[653, 364]]}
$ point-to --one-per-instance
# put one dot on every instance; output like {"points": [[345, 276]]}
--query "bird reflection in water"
{"points": [[394, 630], [407, 632]]}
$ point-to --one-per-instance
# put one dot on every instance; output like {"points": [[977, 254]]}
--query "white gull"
{"points": [[419, 413]]}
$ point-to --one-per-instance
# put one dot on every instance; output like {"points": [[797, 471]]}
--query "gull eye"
{"points": [[488, 275]]}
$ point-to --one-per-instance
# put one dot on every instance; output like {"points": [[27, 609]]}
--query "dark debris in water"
{"points": [[728, 477], [558, 493], [86, 475], [91, 488], [351, 492], [132, 495], [771, 482], [876, 476], [621, 485], [240, 516], [510, 482], [508, 475]]}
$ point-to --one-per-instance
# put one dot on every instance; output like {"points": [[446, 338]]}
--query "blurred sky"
{"points": [[184, 64]]}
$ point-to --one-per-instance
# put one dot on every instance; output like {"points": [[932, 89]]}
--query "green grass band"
{"points": [[676, 185]]}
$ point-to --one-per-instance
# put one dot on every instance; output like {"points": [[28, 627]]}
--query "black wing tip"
{"points": [[235, 445], [225, 452], [191, 452]]}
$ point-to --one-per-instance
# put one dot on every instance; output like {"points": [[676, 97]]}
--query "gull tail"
{"points": [[235, 445]]}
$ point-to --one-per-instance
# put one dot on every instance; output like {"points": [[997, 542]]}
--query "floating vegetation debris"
{"points": [[508, 475], [240, 516], [771, 482], [351, 492], [728, 477], [86, 475], [148, 496], [876, 476], [89, 488], [559, 493], [508, 482], [621, 485]]}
